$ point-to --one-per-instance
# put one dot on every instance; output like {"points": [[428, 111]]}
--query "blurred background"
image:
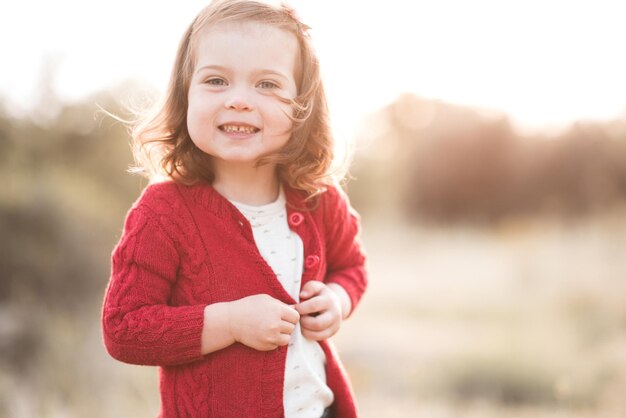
{"points": [[489, 144]]}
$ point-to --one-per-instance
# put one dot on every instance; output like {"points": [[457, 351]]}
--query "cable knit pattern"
{"points": [[185, 247]]}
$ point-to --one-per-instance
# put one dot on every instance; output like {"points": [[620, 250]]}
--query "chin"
{"points": [[239, 159]]}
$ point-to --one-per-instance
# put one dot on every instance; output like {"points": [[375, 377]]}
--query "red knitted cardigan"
{"points": [[185, 247]]}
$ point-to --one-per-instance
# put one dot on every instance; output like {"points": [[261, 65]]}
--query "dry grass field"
{"points": [[525, 319]]}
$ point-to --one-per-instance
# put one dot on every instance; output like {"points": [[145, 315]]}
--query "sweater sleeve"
{"points": [[138, 325], [344, 252]]}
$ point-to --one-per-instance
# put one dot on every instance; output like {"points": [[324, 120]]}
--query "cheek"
{"points": [[199, 117], [280, 115], [192, 123]]}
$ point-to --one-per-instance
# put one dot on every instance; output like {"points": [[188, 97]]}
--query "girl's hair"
{"points": [[161, 142]]}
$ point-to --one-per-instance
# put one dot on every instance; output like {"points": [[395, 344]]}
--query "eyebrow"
{"points": [[226, 69], [273, 72], [212, 67]]}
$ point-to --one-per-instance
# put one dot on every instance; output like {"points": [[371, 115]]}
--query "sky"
{"points": [[544, 63]]}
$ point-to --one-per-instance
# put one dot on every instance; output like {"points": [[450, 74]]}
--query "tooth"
{"points": [[238, 129]]}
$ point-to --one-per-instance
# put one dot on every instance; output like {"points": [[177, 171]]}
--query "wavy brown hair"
{"points": [[161, 143]]}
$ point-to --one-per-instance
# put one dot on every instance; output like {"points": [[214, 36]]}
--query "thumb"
{"points": [[311, 289]]}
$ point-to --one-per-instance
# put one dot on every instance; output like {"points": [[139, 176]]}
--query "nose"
{"points": [[238, 100]]}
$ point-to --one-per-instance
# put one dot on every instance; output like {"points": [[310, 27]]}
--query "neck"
{"points": [[245, 183]]}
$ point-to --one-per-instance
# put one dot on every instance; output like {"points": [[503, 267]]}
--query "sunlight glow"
{"points": [[543, 63]]}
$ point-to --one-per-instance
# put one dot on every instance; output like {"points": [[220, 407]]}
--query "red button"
{"points": [[296, 218], [311, 261]]}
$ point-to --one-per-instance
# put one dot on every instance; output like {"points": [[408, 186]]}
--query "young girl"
{"points": [[234, 271]]}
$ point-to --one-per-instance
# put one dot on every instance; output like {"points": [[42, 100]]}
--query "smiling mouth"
{"points": [[238, 129]]}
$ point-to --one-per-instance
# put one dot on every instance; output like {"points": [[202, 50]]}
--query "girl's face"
{"points": [[234, 113]]}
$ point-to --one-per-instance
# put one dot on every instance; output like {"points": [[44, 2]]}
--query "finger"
{"points": [[310, 323], [290, 314], [318, 335], [282, 339], [317, 323], [287, 327], [266, 347], [311, 289], [313, 305]]}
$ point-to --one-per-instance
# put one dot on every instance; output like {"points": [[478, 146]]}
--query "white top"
{"points": [[305, 391]]}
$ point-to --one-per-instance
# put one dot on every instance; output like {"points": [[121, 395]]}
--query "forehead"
{"points": [[247, 46]]}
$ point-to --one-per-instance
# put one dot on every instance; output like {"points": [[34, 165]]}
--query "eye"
{"points": [[215, 81], [268, 85]]}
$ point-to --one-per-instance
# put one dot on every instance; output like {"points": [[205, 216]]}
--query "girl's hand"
{"points": [[321, 312], [261, 322]]}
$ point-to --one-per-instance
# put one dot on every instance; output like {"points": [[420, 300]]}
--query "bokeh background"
{"points": [[489, 143]]}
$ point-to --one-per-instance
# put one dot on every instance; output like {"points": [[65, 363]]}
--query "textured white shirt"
{"points": [[305, 392]]}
